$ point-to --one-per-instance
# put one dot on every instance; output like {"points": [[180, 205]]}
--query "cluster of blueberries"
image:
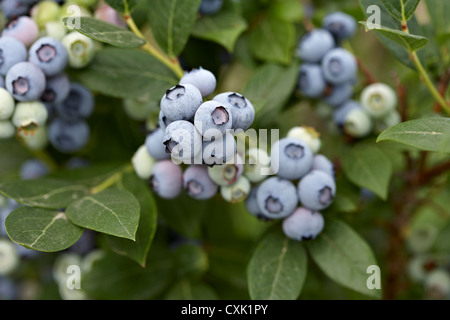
{"points": [[39, 102], [200, 137], [329, 72]]}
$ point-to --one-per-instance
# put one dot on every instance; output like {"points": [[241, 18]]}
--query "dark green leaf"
{"points": [[395, 8], [108, 33], [113, 211], [172, 22], [187, 290], [277, 269], [120, 5], [344, 256], [41, 229], [191, 261]]}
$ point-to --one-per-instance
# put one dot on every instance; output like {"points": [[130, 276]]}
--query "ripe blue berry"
{"points": [[277, 198], [314, 45], [155, 146], [56, 89], [339, 66], [163, 122], [183, 142], [166, 179], [378, 99], [203, 79], [220, 150], [322, 163], [311, 82], [340, 113], [339, 94], [48, 54], [242, 110], [2, 82], [33, 169], [251, 203], [181, 102], [214, 117], [341, 25], [23, 28], [308, 135], [210, 7], [12, 51], [303, 224], [68, 137], [291, 158], [198, 184], [78, 105], [15, 8], [25, 81], [316, 190]]}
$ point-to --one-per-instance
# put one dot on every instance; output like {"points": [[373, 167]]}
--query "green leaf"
{"points": [[343, 256], [277, 269], [108, 33], [438, 11], [409, 41], [287, 10], [395, 8], [120, 5], [137, 250], [368, 167], [223, 28], [12, 155], [187, 290], [191, 261], [172, 22], [126, 73], [40, 229], [44, 193], [429, 134], [113, 211], [271, 86], [273, 40]]}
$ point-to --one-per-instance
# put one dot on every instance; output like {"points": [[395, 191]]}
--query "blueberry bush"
{"points": [[224, 149]]}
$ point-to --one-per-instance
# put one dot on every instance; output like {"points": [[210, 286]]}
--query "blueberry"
{"points": [[308, 135], [339, 66], [38, 140], [311, 82], [155, 146], [78, 105], [219, 150], [291, 158], [340, 113], [214, 117], [77, 162], [23, 28], [322, 163], [7, 104], [203, 79], [226, 174], [251, 204], [316, 190], [48, 54], [80, 49], [8, 289], [9, 258], [5, 210], [25, 81], [277, 198], [12, 51], [341, 25], [210, 7], [339, 94], [7, 129], [142, 163], [314, 45], [55, 29], [237, 191], [68, 137], [378, 100], [257, 165], [29, 116], [2, 83], [198, 184], [303, 224], [106, 13], [163, 122], [56, 89], [166, 179], [242, 110], [358, 123], [45, 11], [183, 142], [15, 8], [33, 169], [181, 102]]}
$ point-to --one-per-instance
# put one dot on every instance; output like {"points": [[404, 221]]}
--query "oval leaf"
{"points": [[343, 256], [429, 134], [277, 269], [40, 229], [113, 211]]}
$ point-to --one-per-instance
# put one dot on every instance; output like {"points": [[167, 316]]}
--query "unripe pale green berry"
{"points": [[55, 29], [378, 100], [437, 284], [257, 165], [236, 192], [358, 123], [143, 163], [228, 173], [28, 116], [62, 262], [80, 49], [308, 135], [45, 11], [6, 104], [9, 258], [36, 141], [7, 129]]}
